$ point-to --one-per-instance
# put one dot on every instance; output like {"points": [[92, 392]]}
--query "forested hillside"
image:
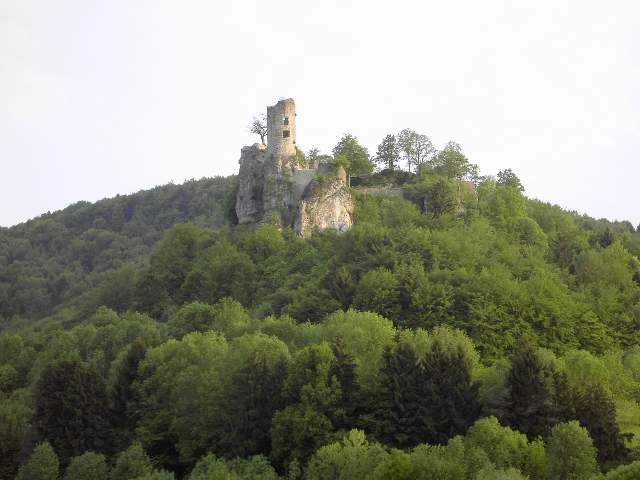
{"points": [[53, 258], [462, 331]]}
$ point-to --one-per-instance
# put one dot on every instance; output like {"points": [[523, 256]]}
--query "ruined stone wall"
{"points": [[383, 191], [271, 185], [281, 128]]}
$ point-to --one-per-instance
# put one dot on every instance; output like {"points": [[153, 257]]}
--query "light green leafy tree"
{"points": [[88, 466], [196, 364], [378, 292], [396, 465], [506, 448], [356, 154], [42, 465], [493, 473], [388, 154], [352, 458], [570, 453], [365, 336], [416, 148], [131, 464], [625, 472]]}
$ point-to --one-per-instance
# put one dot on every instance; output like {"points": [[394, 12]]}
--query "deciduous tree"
{"points": [[388, 154]]}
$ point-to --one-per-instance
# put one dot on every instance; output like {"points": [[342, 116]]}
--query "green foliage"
{"points": [[365, 336], [297, 432], [378, 291], [132, 464], [42, 465], [492, 473], [356, 155], [442, 462], [70, 406], [123, 400], [254, 395], [388, 154], [253, 341], [352, 458], [14, 431], [570, 453], [449, 397], [157, 475], [336, 162], [49, 260], [596, 411], [264, 242], [506, 448], [196, 365], [301, 159], [227, 316], [213, 468], [451, 163], [222, 270], [88, 466], [397, 423], [507, 178], [625, 472], [416, 148], [537, 393], [170, 264]]}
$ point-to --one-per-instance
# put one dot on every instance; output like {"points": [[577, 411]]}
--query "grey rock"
{"points": [[273, 184]]}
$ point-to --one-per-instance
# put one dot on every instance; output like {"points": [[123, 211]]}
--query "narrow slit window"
{"points": [[285, 121], [286, 134]]}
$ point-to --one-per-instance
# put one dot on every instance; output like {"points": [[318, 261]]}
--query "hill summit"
{"points": [[276, 183]]}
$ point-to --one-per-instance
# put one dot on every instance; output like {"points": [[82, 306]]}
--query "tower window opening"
{"points": [[286, 134], [285, 121]]}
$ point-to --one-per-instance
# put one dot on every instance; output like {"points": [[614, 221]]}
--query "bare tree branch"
{"points": [[259, 127]]}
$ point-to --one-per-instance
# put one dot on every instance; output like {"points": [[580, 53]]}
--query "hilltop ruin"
{"points": [[277, 184]]}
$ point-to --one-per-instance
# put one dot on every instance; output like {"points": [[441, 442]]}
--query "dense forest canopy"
{"points": [[458, 331], [54, 258]]}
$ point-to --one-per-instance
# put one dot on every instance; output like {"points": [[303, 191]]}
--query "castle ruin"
{"points": [[276, 183]]}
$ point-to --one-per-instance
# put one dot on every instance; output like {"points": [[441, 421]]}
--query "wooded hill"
{"points": [[493, 336]]}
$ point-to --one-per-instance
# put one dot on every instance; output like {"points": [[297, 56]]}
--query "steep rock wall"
{"points": [[274, 183], [325, 205], [249, 200]]}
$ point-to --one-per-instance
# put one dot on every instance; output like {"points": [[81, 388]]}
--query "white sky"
{"points": [[106, 97]]}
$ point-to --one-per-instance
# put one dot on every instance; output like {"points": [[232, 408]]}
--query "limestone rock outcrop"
{"points": [[249, 205], [275, 185], [325, 205]]}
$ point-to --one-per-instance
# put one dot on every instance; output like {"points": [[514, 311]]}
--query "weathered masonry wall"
{"points": [[272, 184], [382, 191], [281, 128]]}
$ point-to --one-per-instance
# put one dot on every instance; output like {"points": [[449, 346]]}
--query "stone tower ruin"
{"points": [[275, 184], [281, 128]]}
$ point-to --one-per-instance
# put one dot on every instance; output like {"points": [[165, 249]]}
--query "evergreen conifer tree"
{"points": [[349, 406], [596, 411], [71, 410], [255, 396], [538, 394], [449, 397], [123, 394], [397, 424]]}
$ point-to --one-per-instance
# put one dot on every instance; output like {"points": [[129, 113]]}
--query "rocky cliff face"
{"points": [[269, 189], [274, 183], [325, 205], [249, 204]]}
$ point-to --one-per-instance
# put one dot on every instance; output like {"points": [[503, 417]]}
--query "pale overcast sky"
{"points": [[105, 97]]}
